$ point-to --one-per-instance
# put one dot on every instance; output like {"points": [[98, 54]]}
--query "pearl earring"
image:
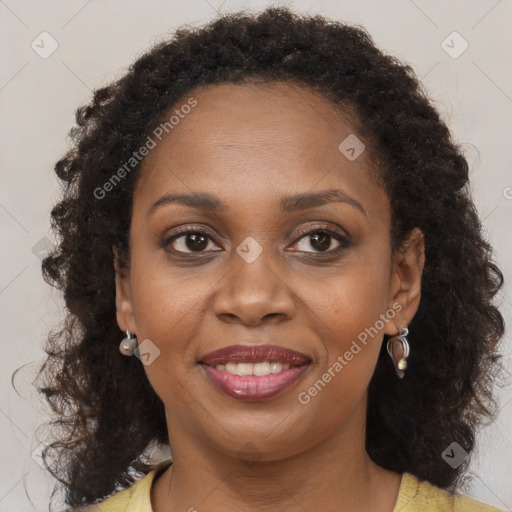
{"points": [[401, 365], [128, 344]]}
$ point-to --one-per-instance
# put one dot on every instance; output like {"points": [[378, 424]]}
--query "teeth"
{"points": [[245, 369], [261, 369], [257, 369], [276, 367], [232, 368]]}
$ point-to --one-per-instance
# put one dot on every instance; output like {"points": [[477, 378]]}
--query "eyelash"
{"points": [[343, 240]]}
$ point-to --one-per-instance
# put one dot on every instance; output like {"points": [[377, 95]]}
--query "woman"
{"points": [[271, 264]]}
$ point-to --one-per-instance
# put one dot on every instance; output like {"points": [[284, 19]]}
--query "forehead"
{"points": [[278, 120], [255, 141]]}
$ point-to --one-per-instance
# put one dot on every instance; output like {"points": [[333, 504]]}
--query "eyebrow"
{"points": [[207, 202]]}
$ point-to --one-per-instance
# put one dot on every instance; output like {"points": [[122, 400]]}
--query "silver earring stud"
{"points": [[401, 364], [128, 344]]}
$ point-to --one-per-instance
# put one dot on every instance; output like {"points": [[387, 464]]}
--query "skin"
{"points": [[250, 146]]}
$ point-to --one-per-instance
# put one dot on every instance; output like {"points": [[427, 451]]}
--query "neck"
{"points": [[336, 474]]}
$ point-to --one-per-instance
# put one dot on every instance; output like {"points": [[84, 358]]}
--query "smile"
{"points": [[253, 373], [256, 369]]}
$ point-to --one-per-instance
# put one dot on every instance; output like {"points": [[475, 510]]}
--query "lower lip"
{"points": [[251, 387]]}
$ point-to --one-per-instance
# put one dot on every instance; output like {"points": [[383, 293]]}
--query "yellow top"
{"points": [[413, 496]]}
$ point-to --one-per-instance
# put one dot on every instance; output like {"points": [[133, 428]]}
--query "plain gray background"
{"points": [[96, 41]]}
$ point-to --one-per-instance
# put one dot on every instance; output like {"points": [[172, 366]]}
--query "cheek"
{"points": [[167, 313], [166, 295], [167, 303], [352, 301], [171, 306], [350, 316]]}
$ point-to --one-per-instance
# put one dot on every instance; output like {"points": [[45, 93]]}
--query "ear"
{"points": [[124, 305], [405, 282]]}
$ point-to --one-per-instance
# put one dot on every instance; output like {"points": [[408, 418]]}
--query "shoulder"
{"points": [[134, 499], [422, 496]]}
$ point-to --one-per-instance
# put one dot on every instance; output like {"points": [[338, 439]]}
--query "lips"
{"points": [[252, 373], [254, 354]]}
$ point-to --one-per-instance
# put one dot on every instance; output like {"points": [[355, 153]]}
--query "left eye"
{"points": [[320, 240]]}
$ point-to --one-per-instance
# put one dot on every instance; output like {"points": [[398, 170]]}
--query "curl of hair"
{"points": [[100, 399]]}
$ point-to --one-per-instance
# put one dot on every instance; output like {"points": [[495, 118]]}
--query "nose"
{"points": [[253, 293]]}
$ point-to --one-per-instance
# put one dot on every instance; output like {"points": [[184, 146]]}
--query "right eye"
{"points": [[188, 241]]}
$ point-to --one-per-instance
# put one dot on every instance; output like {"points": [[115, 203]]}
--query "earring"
{"points": [[401, 365], [128, 344]]}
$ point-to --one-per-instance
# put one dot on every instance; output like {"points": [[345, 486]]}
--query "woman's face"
{"points": [[255, 163]]}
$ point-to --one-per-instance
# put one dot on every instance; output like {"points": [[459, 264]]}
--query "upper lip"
{"points": [[254, 354]]}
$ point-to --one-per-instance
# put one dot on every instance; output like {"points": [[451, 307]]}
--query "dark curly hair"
{"points": [[99, 399]]}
